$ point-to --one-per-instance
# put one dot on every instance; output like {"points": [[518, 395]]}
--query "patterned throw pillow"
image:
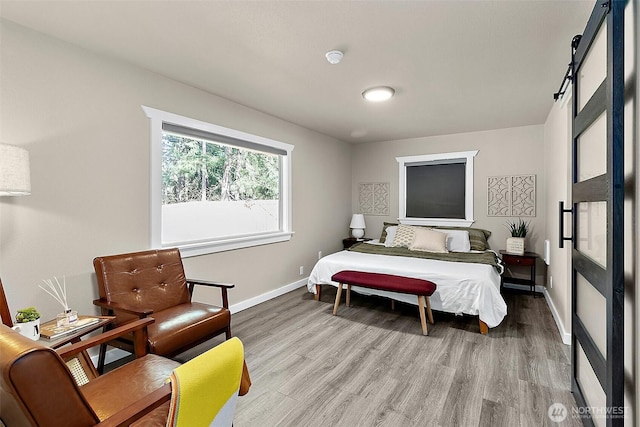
{"points": [[404, 236]]}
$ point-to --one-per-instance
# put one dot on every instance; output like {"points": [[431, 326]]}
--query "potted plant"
{"points": [[28, 323], [518, 230]]}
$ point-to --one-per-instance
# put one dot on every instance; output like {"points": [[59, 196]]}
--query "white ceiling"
{"points": [[457, 66]]}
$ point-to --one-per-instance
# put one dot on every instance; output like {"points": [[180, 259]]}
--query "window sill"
{"points": [[202, 248]]}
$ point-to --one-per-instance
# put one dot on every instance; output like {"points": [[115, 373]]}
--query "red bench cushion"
{"points": [[385, 282]]}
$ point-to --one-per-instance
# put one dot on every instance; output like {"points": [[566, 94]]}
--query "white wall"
{"points": [[513, 151], [557, 168], [79, 115]]}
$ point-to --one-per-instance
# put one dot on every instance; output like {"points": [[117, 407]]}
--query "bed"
{"points": [[467, 282]]}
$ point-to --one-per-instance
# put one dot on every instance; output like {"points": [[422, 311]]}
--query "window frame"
{"points": [[465, 157], [201, 247]]}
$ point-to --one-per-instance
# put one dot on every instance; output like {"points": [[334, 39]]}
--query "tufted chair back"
{"points": [[154, 280], [153, 284]]}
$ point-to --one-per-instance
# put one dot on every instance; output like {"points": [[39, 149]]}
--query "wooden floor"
{"points": [[370, 366]]}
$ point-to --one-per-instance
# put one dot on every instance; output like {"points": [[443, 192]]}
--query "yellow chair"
{"points": [[204, 391]]}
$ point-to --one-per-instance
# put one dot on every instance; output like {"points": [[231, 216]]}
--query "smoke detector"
{"points": [[334, 56]]}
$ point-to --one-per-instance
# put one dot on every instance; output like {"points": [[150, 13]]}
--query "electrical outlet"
{"points": [[319, 254], [301, 270]]}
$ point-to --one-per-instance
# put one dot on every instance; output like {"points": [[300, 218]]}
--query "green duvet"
{"points": [[488, 257]]}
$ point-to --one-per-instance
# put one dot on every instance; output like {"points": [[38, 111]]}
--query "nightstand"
{"points": [[528, 259], [350, 241]]}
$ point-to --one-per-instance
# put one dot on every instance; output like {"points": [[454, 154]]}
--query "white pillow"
{"points": [[391, 234], [458, 240], [427, 240]]}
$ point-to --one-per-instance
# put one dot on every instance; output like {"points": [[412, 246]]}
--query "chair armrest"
{"points": [[138, 327], [139, 408], [208, 283], [223, 288], [115, 306]]}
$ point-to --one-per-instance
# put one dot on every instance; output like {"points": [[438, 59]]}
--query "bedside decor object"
{"points": [[28, 323], [518, 230], [59, 293], [357, 226]]}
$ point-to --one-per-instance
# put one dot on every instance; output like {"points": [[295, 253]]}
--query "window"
{"points": [[215, 189], [437, 189]]}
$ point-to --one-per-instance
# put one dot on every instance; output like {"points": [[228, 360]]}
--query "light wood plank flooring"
{"points": [[371, 366]]}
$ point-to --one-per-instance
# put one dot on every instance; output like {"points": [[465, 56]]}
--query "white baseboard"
{"points": [[115, 353], [268, 295], [566, 336]]}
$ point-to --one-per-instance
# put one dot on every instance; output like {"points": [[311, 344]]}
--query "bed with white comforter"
{"points": [[462, 288]]}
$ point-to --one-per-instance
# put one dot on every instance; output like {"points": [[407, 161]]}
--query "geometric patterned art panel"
{"points": [[511, 195], [523, 195], [373, 198]]}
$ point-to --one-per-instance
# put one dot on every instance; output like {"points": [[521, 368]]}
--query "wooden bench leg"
{"points": [[423, 321], [484, 329], [348, 295], [337, 303], [429, 313]]}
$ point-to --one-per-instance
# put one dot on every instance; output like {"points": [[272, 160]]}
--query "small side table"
{"points": [[75, 336], [82, 368], [350, 241], [528, 259]]}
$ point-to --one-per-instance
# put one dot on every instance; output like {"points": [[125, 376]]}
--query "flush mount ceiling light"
{"points": [[334, 56], [378, 93]]}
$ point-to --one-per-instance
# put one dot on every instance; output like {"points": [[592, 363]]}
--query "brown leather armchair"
{"points": [[37, 388], [153, 283]]}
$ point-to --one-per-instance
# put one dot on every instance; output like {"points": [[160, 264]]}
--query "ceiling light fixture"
{"points": [[378, 93], [334, 56]]}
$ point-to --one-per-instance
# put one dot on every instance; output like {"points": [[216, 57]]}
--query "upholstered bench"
{"points": [[423, 289]]}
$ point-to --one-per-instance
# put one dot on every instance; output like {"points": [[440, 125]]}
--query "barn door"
{"points": [[597, 198]]}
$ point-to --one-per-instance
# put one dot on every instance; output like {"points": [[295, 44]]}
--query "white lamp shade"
{"points": [[14, 171], [357, 221], [357, 226]]}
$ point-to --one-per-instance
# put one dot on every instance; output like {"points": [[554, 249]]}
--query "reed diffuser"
{"points": [[59, 293]]}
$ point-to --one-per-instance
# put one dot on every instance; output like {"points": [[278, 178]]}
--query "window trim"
{"points": [[456, 157], [194, 248]]}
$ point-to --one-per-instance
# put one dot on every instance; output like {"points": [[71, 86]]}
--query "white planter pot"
{"points": [[515, 245], [29, 329]]}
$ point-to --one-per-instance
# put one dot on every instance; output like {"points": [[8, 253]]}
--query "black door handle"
{"points": [[561, 225]]}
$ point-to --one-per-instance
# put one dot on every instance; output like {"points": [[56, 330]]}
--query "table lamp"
{"points": [[357, 226]]}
